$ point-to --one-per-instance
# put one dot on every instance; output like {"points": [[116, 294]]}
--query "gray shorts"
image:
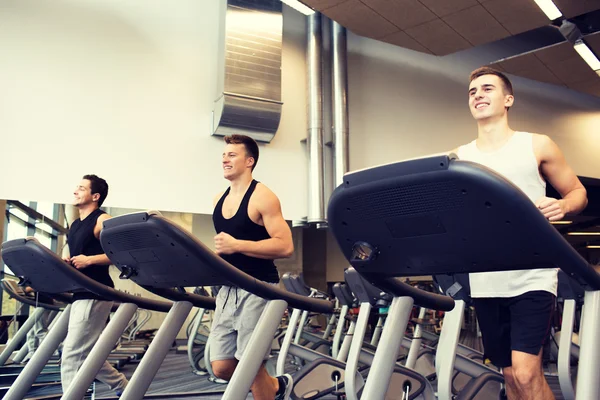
{"points": [[236, 315]]}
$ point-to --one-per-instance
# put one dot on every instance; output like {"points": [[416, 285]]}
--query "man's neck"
{"points": [[493, 133], [240, 185], [86, 210]]}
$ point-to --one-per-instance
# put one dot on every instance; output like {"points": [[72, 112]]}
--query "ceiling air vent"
{"points": [[249, 84]]}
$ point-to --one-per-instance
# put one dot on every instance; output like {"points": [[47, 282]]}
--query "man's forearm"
{"points": [[575, 201], [268, 249], [100, 259]]}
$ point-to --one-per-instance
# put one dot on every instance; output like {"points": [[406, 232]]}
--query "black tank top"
{"points": [[82, 240], [240, 226]]}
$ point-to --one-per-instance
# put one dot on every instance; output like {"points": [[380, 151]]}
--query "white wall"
{"points": [[125, 89], [405, 104]]}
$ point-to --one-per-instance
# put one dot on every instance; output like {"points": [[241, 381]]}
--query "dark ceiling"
{"points": [[445, 27]]}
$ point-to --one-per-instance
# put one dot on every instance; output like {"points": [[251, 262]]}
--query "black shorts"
{"points": [[520, 323]]}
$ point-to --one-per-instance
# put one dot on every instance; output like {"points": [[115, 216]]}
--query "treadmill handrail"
{"points": [[371, 293], [421, 297], [66, 298], [6, 285], [175, 295], [343, 294], [88, 283], [213, 261], [291, 285]]}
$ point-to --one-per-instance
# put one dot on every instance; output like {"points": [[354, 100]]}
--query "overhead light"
{"points": [[303, 8], [588, 56], [584, 233], [549, 8], [561, 222], [593, 247]]}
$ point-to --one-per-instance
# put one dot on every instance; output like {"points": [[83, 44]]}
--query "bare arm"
{"points": [[279, 245], [555, 169]]}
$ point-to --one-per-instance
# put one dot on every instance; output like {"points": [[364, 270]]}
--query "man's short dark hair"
{"points": [[98, 185], [508, 89], [249, 143]]}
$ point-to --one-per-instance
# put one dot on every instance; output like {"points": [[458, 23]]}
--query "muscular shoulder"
{"points": [[540, 140], [543, 146], [263, 197]]}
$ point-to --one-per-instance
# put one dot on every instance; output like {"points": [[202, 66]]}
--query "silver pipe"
{"points": [[316, 198], [339, 82]]}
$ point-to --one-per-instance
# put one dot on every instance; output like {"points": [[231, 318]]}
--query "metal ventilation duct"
{"points": [[314, 60], [249, 84], [339, 72]]}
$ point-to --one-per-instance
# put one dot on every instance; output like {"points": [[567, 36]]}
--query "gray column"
{"points": [[105, 344], [257, 348], [387, 351], [162, 342], [316, 195], [20, 336], [588, 373], [339, 83], [33, 368], [564, 350]]}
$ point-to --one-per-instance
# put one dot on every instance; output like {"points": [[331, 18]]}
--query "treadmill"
{"points": [[436, 215], [159, 255], [43, 270]]}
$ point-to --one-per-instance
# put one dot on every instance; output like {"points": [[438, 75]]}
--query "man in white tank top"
{"points": [[514, 308]]}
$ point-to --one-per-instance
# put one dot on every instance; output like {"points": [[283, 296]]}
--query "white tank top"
{"points": [[516, 161]]}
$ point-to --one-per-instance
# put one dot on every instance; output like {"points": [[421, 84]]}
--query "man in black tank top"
{"points": [[251, 233], [89, 312]]}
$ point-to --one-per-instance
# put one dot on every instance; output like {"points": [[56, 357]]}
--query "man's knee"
{"points": [[509, 379], [526, 370], [224, 369], [525, 376]]}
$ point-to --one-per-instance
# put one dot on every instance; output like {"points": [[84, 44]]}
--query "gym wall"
{"points": [[405, 104], [126, 90]]}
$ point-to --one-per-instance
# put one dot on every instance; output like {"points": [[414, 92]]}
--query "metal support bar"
{"points": [[329, 328], [20, 336], [287, 340], [564, 350], [100, 352], [162, 342], [40, 358], [387, 351], [192, 338], [339, 330], [343, 353], [588, 373], [415, 345], [355, 348], [25, 348], [258, 346], [446, 350], [377, 331]]}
